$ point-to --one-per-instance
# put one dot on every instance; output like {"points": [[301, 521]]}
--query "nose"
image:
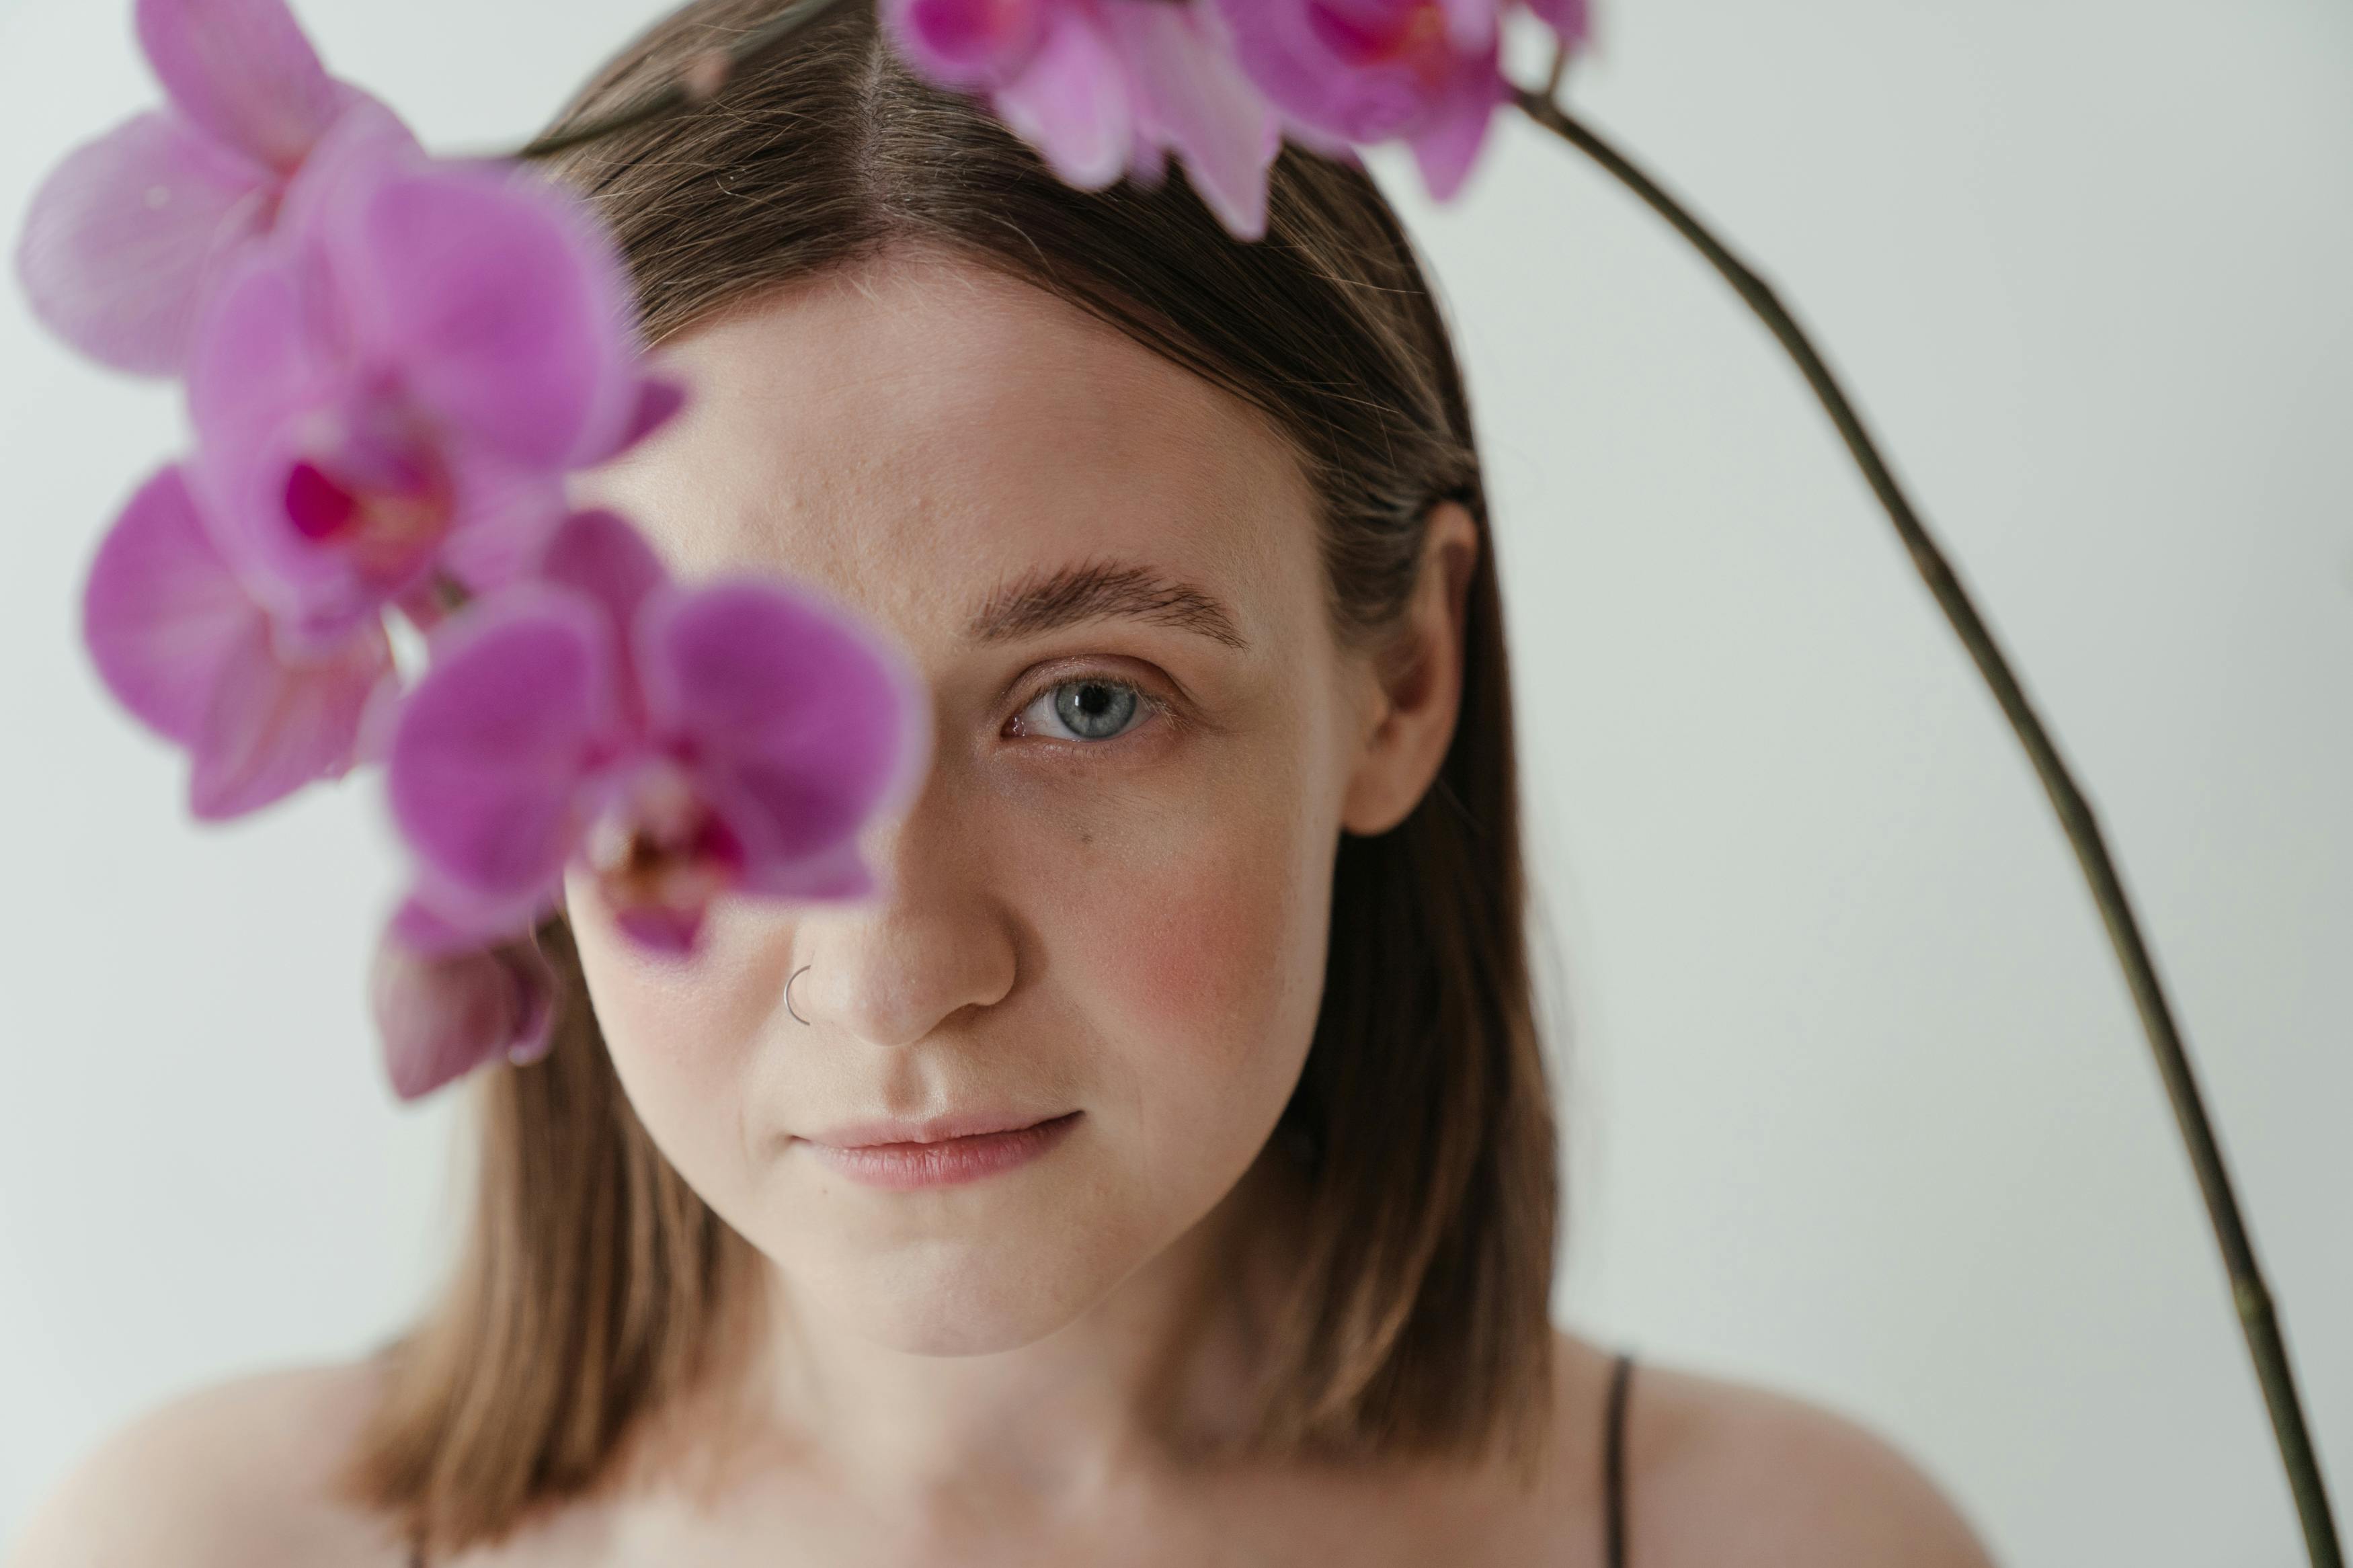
{"points": [[935, 939]]}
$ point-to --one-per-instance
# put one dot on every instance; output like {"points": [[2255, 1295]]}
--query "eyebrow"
{"points": [[1045, 602]]}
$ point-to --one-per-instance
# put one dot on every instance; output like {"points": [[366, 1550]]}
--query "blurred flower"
{"points": [[1353, 73], [1107, 88], [181, 643], [443, 1011], [125, 236], [390, 392], [677, 742]]}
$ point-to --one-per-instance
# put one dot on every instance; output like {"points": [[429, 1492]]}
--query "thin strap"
{"points": [[1613, 1463]]}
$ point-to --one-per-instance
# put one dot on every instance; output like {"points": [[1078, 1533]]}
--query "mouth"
{"points": [[905, 1156]]}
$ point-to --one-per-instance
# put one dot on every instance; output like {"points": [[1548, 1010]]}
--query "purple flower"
{"points": [[1356, 72], [1107, 88], [388, 395], [443, 1011], [181, 643], [678, 743], [126, 236]]}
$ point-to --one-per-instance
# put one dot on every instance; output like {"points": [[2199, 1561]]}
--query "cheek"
{"points": [[683, 1036], [1209, 944], [1195, 938]]}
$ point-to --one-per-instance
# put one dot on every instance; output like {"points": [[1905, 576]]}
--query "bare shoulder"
{"points": [[240, 1473], [1722, 1473]]}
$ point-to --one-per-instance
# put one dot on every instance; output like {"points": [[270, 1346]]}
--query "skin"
{"points": [[1130, 928]]}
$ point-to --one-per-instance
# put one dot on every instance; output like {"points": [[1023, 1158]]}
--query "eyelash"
{"points": [[1148, 709]]}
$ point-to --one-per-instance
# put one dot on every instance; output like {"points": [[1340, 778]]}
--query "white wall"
{"points": [[1860, 1108]]}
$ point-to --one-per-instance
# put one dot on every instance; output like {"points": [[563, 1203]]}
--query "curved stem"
{"points": [[700, 80], [2256, 1314]]}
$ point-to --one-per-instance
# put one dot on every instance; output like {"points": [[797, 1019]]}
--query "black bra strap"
{"points": [[1613, 1463]]}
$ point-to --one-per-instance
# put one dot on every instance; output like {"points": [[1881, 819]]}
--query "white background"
{"points": [[1858, 1104]]}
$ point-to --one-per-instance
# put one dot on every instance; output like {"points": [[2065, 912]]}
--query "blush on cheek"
{"points": [[1217, 949]]}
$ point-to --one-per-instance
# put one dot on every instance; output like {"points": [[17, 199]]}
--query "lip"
{"points": [[904, 1156]]}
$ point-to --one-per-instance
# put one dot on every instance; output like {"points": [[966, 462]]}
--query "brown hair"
{"points": [[595, 1283]]}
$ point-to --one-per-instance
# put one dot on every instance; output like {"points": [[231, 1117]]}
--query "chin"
{"points": [[961, 1296]]}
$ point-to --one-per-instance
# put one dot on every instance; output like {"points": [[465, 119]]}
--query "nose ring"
{"points": [[795, 974]]}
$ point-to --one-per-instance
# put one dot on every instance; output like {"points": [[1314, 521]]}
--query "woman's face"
{"points": [[1104, 916]]}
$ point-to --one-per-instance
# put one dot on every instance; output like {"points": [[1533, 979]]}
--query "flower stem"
{"points": [[2256, 1314], [701, 78]]}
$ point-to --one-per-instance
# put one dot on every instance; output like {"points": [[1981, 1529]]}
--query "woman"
{"points": [[1162, 1169]]}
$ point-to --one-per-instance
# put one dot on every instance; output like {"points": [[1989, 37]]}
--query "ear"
{"points": [[1419, 679]]}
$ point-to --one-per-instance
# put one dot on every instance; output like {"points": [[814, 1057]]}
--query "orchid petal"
{"points": [[658, 401], [1072, 103], [441, 1015], [416, 928], [1449, 144], [276, 724], [267, 362], [176, 639], [492, 750], [600, 556], [838, 874], [1193, 97], [658, 928], [372, 743], [968, 43], [366, 144], [1572, 19], [502, 304], [502, 515], [802, 724], [1358, 71], [242, 70], [1276, 43], [124, 234], [162, 613], [1471, 25]]}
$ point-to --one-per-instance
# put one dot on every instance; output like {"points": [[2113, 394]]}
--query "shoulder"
{"points": [[240, 1473], [1718, 1471]]}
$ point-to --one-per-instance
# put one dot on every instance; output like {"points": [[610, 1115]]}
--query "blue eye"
{"points": [[1091, 709]]}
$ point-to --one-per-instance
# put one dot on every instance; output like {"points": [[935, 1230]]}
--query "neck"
{"points": [[1163, 1370]]}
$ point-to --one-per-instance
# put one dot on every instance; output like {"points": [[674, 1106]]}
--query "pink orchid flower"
{"points": [[181, 643], [126, 236], [442, 1009], [388, 395], [676, 743], [1351, 73], [1107, 88]]}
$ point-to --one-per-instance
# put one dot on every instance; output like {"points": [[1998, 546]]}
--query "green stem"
{"points": [[2257, 1316]]}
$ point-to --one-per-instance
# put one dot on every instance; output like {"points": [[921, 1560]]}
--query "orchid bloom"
{"points": [[675, 742], [442, 1010], [1351, 73], [126, 236], [388, 396], [1107, 88], [182, 644]]}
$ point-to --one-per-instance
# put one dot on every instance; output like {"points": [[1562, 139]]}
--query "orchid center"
{"points": [[660, 854], [381, 498]]}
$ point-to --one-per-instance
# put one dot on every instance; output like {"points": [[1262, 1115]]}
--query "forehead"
{"points": [[919, 432]]}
